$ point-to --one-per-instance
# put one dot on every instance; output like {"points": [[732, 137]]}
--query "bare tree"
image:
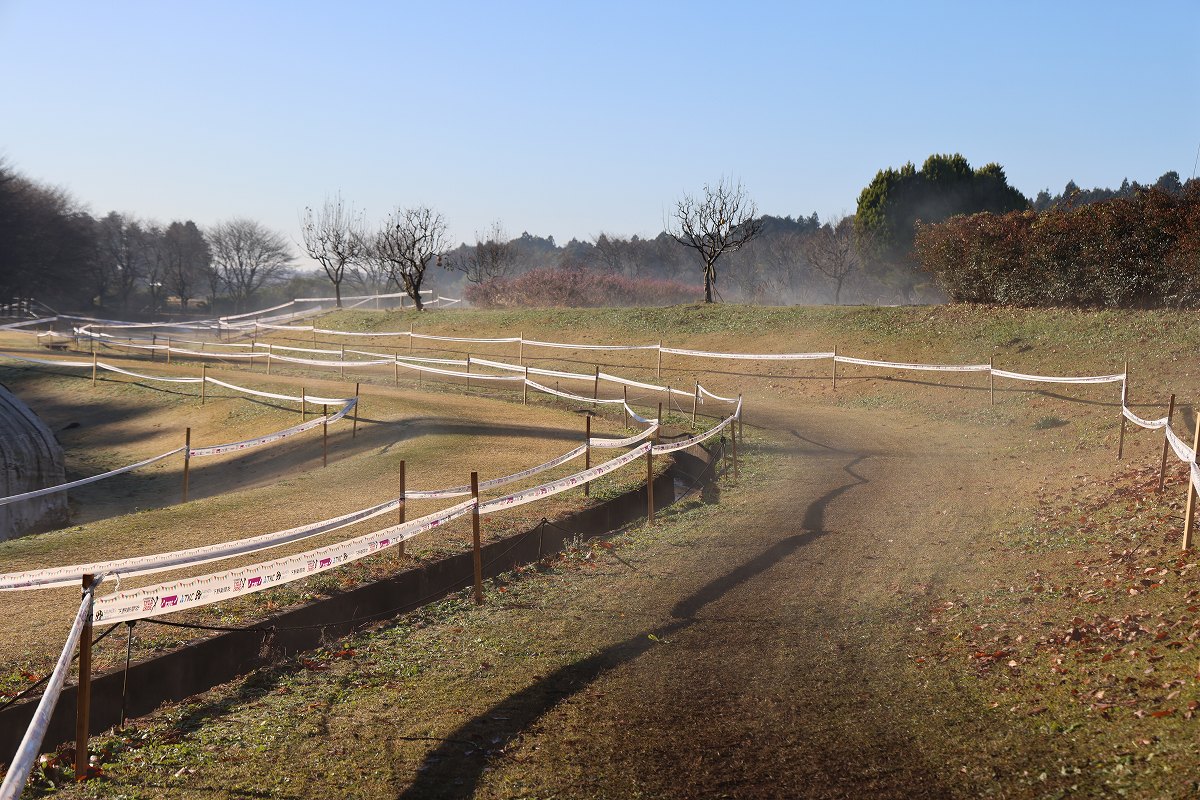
{"points": [[721, 221], [187, 256], [407, 243], [833, 251], [247, 256], [334, 238], [617, 255], [492, 257], [121, 253]]}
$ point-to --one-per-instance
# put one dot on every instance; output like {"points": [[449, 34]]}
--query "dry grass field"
{"points": [[910, 592]]}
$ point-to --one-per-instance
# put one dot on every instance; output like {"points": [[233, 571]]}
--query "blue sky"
{"points": [[569, 119]]}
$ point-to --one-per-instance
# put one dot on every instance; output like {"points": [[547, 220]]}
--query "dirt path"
{"points": [[777, 666]]}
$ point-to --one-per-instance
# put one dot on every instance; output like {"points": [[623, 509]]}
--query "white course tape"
{"points": [[671, 447], [604, 376], [550, 373], [270, 438], [459, 491], [1151, 424], [633, 414], [562, 484], [140, 376], [176, 559], [749, 356], [62, 487], [569, 396], [457, 362], [626, 442], [167, 598], [866, 362], [1195, 471], [1181, 449], [707, 393], [12, 326], [48, 361], [565, 346], [1019, 376], [512, 339]]}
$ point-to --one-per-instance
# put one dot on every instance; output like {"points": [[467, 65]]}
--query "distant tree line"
{"points": [[1138, 250], [52, 249]]}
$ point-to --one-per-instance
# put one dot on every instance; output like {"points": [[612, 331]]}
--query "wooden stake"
{"points": [[83, 697], [596, 384], [342, 364], [475, 545], [587, 452], [168, 349], [410, 331], [153, 344], [658, 364], [93, 365], [1162, 467], [650, 480], [203, 383], [187, 461], [354, 430], [1124, 405], [695, 404], [1190, 513], [270, 356], [991, 381], [400, 511], [733, 439], [397, 367], [835, 367], [325, 436], [667, 392]]}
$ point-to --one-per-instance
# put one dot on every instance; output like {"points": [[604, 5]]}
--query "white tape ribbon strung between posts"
{"points": [[566, 346], [604, 376], [188, 593], [457, 362], [140, 376], [1019, 376], [62, 487], [569, 396], [866, 362], [176, 559], [748, 356], [671, 447], [320, 401], [1195, 471], [48, 361], [549, 373], [505, 340], [638, 417], [562, 484], [315, 362], [1182, 451], [13, 326], [626, 442], [459, 491], [31, 742], [706, 393], [454, 374], [270, 438], [1150, 424]]}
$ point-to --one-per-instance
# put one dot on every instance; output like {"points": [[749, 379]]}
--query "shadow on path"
{"points": [[453, 768]]}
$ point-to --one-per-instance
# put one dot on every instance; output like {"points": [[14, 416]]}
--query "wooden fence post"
{"points": [[525, 389], [477, 550], [83, 696], [270, 355], [733, 439], [93, 366], [835, 367], [1124, 405], [1190, 513], [695, 403], [187, 461], [587, 452], [354, 430], [325, 436], [658, 364], [1162, 467], [410, 332], [342, 363], [596, 384], [992, 381], [153, 344], [303, 405], [168, 349], [400, 511], [203, 383], [650, 479], [397, 366]]}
